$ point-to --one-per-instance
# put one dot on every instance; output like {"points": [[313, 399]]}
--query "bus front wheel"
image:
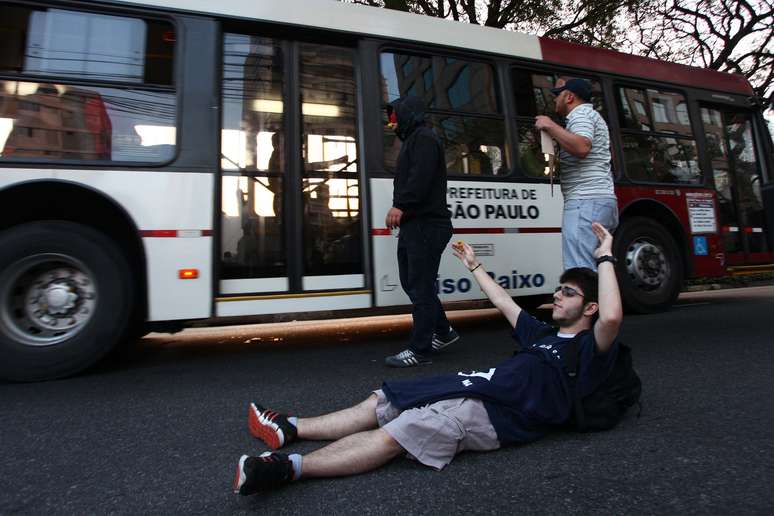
{"points": [[65, 299], [650, 270]]}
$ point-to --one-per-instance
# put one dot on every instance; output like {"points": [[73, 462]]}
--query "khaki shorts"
{"points": [[435, 433]]}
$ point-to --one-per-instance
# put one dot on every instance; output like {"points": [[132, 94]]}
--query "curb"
{"points": [[737, 283]]}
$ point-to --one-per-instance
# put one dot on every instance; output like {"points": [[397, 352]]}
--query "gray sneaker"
{"points": [[440, 343], [407, 358]]}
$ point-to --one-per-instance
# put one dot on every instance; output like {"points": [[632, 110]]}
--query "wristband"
{"points": [[476, 267], [606, 258]]}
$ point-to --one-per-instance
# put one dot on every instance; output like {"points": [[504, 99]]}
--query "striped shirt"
{"points": [[589, 177]]}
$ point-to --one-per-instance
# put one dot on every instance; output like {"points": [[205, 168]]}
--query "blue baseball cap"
{"points": [[580, 87]]}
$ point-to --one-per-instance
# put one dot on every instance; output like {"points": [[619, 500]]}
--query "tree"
{"points": [[492, 13], [592, 22], [728, 35]]}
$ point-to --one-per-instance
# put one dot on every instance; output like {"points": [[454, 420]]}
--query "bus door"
{"points": [[291, 232], [736, 168]]}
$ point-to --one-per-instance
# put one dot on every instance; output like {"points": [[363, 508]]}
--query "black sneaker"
{"points": [[441, 342], [407, 358], [267, 471], [270, 427]]}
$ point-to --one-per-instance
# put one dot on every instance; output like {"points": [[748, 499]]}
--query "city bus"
{"points": [[175, 162]]}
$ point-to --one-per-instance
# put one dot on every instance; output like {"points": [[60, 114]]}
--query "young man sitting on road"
{"points": [[433, 419]]}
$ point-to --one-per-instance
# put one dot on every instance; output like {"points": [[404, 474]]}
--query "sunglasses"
{"points": [[567, 291]]}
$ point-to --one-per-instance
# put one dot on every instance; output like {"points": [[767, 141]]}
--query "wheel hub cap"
{"points": [[48, 300], [647, 265], [60, 298]]}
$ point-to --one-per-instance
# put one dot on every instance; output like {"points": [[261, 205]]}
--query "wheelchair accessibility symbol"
{"points": [[700, 246]]}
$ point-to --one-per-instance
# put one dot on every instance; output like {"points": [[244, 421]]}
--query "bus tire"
{"points": [[65, 299], [650, 270]]}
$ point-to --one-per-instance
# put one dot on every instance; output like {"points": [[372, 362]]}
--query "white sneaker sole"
{"points": [[240, 477]]}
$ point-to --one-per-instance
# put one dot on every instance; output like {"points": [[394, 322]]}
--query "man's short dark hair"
{"points": [[586, 279]]}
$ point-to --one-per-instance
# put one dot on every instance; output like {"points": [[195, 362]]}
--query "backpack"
{"points": [[607, 404]]}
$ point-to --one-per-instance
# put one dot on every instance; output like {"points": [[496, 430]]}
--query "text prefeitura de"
{"points": [[491, 193]]}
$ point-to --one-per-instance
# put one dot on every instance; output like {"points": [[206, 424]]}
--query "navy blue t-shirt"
{"points": [[526, 395]]}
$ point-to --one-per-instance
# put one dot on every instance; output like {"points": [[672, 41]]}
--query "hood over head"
{"points": [[410, 113]]}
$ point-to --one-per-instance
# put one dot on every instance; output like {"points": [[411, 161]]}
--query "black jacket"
{"points": [[419, 187]]}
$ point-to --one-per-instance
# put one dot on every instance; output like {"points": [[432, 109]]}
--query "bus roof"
{"points": [[603, 60], [387, 23]]}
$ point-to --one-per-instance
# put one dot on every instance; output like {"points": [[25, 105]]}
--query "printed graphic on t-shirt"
{"points": [[550, 348], [476, 374]]}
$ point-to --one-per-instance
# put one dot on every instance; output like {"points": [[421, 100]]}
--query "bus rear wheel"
{"points": [[65, 299], [650, 270]]}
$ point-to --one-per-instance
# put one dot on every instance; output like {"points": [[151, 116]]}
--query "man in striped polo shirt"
{"points": [[587, 182]]}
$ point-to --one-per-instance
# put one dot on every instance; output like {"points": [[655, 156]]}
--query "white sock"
{"points": [[296, 459]]}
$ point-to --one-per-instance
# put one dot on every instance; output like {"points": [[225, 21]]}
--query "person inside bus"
{"points": [[433, 419], [320, 228], [419, 210], [587, 181], [276, 166]]}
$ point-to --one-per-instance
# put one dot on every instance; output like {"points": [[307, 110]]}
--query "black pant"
{"points": [[420, 246]]}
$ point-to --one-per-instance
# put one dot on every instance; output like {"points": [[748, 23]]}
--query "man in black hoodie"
{"points": [[419, 209]]}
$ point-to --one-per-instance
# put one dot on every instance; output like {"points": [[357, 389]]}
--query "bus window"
{"points": [[661, 160], [670, 112], [252, 105], [747, 176], [252, 159], [332, 233], [717, 148], [734, 158], [533, 97], [40, 117], [533, 93], [463, 109], [634, 111], [532, 162], [657, 137]]}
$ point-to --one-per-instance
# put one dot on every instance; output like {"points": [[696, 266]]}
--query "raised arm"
{"points": [[577, 145], [496, 294], [610, 309]]}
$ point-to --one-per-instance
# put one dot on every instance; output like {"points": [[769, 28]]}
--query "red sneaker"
{"points": [[270, 427]]}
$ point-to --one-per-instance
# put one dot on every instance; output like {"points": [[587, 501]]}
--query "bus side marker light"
{"points": [[188, 273]]}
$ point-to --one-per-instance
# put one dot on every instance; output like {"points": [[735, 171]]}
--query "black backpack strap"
{"points": [[571, 354], [571, 362], [571, 359]]}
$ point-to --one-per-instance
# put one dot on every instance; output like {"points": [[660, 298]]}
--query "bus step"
{"points": [[747, 270]]}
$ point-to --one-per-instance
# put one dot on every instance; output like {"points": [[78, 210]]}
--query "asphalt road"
{"points": [[161, 432]]}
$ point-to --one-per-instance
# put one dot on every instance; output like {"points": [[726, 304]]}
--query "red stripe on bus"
{"points": [[540, 230], [480, 231], [159, 233], [605, 60], [473, 231], [169, 233]]}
